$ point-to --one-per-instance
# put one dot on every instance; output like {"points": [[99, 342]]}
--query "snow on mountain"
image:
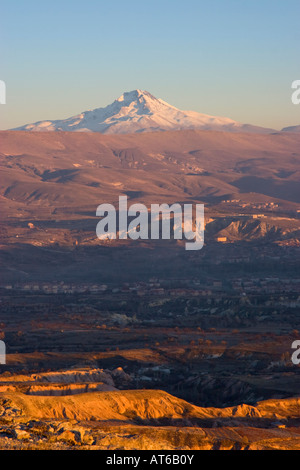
{"points": [[139, 111]]}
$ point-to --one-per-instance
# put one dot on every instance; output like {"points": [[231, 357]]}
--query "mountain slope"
{"points": [[139, 111]]}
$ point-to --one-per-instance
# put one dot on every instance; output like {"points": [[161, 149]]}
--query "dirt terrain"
{"points": [[139, 344]]}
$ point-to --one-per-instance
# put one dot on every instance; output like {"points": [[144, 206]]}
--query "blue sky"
{"points": [[234, 58]]}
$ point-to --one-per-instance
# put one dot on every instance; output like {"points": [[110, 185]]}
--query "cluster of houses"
{"points": [[152, 287], [56, 287], [156, 287], [270, 285], [252, 205]]}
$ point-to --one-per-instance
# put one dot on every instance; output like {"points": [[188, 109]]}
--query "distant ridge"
{"points": [[291, 129]]}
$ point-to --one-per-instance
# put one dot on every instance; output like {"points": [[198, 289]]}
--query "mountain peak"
{"points": [[132, 95], [135, 95], [144, 101]]}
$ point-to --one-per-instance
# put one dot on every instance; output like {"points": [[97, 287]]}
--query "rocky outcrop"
{"points": [[71, 389], [67, 382], [75, 376]]}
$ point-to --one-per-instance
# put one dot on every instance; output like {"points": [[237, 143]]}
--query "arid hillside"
{"points": [[52, 184], [144, 419], [73, 171]]}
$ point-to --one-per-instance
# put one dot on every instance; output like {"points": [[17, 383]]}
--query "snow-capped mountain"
{"points": [[139, 111]]}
